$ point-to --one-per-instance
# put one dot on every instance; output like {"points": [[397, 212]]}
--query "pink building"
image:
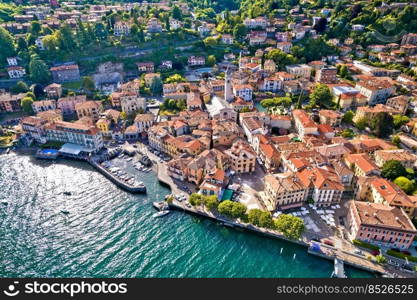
{"points": [[380, 224], [67, 104]]}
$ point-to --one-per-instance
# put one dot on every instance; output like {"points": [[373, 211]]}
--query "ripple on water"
{"points": [[110, 233]]}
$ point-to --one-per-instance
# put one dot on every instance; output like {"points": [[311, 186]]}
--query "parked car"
{"points": [[328, 242], [358, 252], [375, 252]]}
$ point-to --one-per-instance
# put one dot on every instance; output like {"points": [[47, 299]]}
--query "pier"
{"points": [[117, 181]]}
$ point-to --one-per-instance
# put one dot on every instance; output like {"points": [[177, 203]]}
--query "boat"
{"points": [[67, 193], [160, 213], [8, 151], [161, 205], [65, 212]]}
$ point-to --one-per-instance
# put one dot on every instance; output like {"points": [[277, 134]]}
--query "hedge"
{"points": [[402, 255], [365, 245]]}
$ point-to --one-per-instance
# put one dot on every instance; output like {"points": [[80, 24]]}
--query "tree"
{"points": [[347, 133], [343, 72], [195, 199], [26, 104], [20, 87], [175, 79], [211, 202], [176, 13], [393, 169], [156, 85], [380, 259], [100, 31], [232, 209], [66, 38], [88, 84], [321, 95], [225, 208], [362, 123], [281, 58], [210, 42], [396, 140], [239, 31], [291, 226], [238, 210], [405, 184], [277, 101], [400, 120], [38, 70], [6, 44], [35, 28], [211, 60], [321, 24], [348, 117], [382, 124], [260, 218]]}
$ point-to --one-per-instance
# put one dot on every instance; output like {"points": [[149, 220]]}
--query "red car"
{"points": [[328, 242], [375, 252]]}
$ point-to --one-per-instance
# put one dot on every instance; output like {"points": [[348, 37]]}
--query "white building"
{"points": [[16, 71], [130, 104]]}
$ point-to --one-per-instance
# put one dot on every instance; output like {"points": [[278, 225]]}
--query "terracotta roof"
{"points": [[363, 162], [380, 215]]}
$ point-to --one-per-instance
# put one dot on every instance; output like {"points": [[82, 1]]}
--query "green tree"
{"points": [[176, 13], [175, 79], [156, 85], [400, 120], [20, 87], [393, 169], [210, 42], [6, 44], [195, 199], [260, 218], [35, 28], [225, 208], [396, 140], [238, 210], [211, 202], [348, 117], [405, 184], [211, 60], [321, 95], [239, 31], [362, 123], [26, 104], [380, 259], [382, 124], [88, 84], [281, 58], [38, 70], [291, 226]]}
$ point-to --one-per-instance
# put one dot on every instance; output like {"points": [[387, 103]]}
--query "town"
{"points": [[295, 118]]}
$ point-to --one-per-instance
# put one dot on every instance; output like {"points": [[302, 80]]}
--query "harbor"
{"points": [[110, 232]]}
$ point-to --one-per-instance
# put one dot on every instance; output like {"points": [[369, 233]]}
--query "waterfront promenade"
{"points": [[328, 252]]}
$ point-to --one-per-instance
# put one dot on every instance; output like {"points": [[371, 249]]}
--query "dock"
{"points": [[117, 181], [339, 269]]}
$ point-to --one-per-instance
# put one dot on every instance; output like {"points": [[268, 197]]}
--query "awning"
{"points": [[72, 149]]}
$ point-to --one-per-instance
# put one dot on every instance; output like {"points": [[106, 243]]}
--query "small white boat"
{"points": [[160, 213]]}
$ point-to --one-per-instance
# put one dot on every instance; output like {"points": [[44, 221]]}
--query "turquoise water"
{"points": [[110, 233]]}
